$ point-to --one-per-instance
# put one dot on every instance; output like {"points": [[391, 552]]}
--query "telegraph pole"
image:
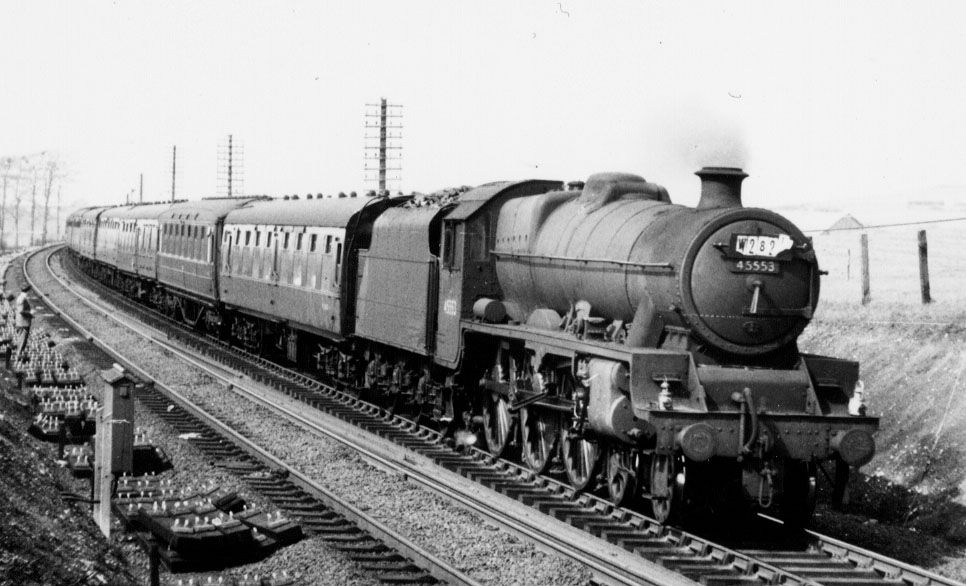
{"points": [[231, 167], [383, 143], [174, 166], [141, 190]]}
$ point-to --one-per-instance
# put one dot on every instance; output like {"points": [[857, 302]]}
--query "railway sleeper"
{"points": [[337, 531], [400, 578], [376, 555], [831, 572], [851, 581], [396, 564], [349, 536]]}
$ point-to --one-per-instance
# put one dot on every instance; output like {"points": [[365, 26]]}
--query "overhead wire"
{"points": [[897, 224]]}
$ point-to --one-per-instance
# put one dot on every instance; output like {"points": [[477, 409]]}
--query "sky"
{"points": [[817, 101]]}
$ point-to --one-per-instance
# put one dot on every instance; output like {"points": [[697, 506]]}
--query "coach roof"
{"points": [[92, 213], [205, 210], [137, 212], [322, 212]]}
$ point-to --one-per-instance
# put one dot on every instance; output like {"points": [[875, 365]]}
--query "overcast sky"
{"points": [[818, 101]]}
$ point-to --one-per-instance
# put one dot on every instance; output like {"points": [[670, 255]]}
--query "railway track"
{"points": [[382, 553], [543, 509]]}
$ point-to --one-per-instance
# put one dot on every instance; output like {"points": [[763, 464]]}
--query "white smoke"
{"points": [[696, 136]]}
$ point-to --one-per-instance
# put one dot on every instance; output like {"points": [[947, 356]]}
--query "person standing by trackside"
{"points": [[24, 316]]}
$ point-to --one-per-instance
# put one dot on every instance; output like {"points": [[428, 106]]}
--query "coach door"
{"points": [[136, 250], [226, 254], [276, 237]]}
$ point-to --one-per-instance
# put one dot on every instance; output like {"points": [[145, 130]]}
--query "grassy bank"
{"points": [[913, 360]]}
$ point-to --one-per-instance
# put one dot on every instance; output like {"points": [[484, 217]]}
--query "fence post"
{"points": [[924, 268], [866, 295]]}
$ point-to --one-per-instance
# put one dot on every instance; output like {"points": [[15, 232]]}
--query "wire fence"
{"points": [[894, 273]]}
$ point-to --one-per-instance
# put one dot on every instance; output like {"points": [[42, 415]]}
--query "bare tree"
{"points": [[33, 205], [17, 198], [58, 212], [42, 170], [52, 165], [6, 165]]}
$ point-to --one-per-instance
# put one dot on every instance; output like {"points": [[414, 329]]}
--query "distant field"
{"points": [[894, 264]]}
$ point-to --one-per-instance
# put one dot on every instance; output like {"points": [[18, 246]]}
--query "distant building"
{"points": [[846, 222]]}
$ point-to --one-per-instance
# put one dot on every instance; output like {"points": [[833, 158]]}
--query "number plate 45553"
{"points": [[756, 266]]}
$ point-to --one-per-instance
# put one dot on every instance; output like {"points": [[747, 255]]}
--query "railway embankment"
{"points": [[44, 539], [910, 501]]}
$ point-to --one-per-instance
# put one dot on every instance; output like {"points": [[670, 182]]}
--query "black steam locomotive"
{"points": [[646, 348]]}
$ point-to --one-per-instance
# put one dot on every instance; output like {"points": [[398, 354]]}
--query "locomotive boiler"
{"points": [[597, 331]]}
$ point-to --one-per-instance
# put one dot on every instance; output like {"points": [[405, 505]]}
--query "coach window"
{"points": [[313, 242], [285, 244], [248, 237], [328, 244], [338, 261], [298, 242]]}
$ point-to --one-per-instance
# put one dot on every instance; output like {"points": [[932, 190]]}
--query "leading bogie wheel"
{"points": [[665, 490], [540, 435], [798, 494], [581, 459], [497, 423], [621, 476]]}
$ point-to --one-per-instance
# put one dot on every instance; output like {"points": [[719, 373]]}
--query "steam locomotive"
{"points": [[644, 348]]}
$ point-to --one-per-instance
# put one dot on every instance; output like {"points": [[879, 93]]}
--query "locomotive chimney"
{"points": [[720, 187]]}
